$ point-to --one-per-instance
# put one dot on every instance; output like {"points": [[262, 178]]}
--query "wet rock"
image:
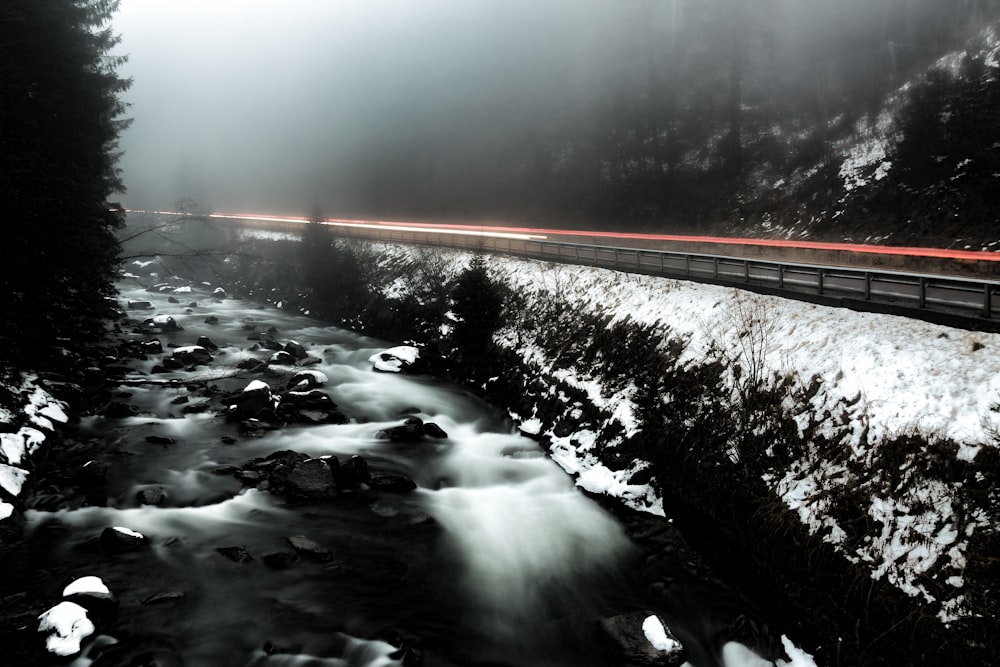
{"points": [[118, 540], [161, 323], [237, 554], [207, 343], [304, 380], [309, 407], [310, 549], [352, 474], [395, 482], [281, 358], [395, 360], [309, 361], [211, 319], [411, 430], [433, 430], [251, 364], [193, 355], [93, 595], [160, 440], [228, 440], [219, 294], [280, 560], [173, 299], [140, 305], [311, 478], [644, 640], [154, 496], [296, 349], [255, 398], [152, 346]]}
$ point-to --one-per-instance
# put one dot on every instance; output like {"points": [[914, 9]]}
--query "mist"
{"points": [[514, 109]]}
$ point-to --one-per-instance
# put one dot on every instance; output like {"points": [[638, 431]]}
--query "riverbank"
{"points": [[846, 457], [201, 493]]}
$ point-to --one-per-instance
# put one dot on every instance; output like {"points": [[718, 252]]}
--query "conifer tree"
{"points": [[60, 117]]}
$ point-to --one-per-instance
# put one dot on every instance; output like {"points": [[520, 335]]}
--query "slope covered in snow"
{"points": [[870, 381]]}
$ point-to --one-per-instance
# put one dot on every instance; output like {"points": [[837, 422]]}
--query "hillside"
{"points": [[922, 170]]}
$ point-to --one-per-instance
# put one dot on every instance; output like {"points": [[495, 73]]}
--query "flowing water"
{"points": [[496, 559]]}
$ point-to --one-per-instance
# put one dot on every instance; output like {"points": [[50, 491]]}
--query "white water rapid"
{"points": [[495, 559]]}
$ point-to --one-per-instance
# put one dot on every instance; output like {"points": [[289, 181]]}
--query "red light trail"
{"points": [[532, 233]]}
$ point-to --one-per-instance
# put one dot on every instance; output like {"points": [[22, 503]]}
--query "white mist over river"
{"points": [[496, 558]]}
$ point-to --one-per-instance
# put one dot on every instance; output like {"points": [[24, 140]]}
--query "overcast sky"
{"points": [[284, 105], [249, 104]]}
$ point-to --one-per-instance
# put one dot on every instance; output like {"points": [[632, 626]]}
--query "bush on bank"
{"points": [[721, 440]]}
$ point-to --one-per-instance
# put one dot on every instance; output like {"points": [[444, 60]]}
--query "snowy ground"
{"points": [[886, 375], [23, 432]]}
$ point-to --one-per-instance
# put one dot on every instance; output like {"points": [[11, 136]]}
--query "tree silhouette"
{"points": [[60, 116]]}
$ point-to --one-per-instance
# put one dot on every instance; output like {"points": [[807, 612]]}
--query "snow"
{"points": [[12, 479], [128, 531], [257, 385], [86, 585], [393, 359], [657, 635], [876, 377], [6, 509], [68, 624]]}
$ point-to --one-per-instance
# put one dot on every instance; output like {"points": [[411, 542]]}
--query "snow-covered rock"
{"points": [[395, 359], [66, 625], [644, 639]]}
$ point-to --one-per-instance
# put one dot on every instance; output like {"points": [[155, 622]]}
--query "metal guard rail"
{"points": [[958, 297]]}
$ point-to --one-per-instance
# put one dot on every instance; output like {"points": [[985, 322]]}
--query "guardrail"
{"points": [[918, 294]]}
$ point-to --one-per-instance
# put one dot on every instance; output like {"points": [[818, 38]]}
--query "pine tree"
{"points": [[60, 117]]}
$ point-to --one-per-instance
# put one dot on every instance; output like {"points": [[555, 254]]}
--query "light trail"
{"points": [[532, 233]]}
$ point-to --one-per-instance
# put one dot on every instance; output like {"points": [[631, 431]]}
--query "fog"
{"points": [[454, 107]]}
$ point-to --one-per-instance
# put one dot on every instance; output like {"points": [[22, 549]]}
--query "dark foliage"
{"points": [[59, 123]]}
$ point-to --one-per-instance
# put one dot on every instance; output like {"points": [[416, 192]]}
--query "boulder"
{"points": [[295, 349], [251, 364], [93, 595], [281, 358], [161, 323], [118, 540], [352, 474], [192, 355], [309, 549], [152, 496], [140, 305], [255, 399], [395, 360], [207, 343], [64, 626], [433, 430], [211, 319], [311, 478], [307, 380], [309, 407], [644, 640], [411, 430]]}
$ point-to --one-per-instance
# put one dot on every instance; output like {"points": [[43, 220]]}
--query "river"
{"points": [[495, 559]]}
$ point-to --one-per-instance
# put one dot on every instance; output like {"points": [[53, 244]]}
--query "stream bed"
{"points": [[495, 558]]}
